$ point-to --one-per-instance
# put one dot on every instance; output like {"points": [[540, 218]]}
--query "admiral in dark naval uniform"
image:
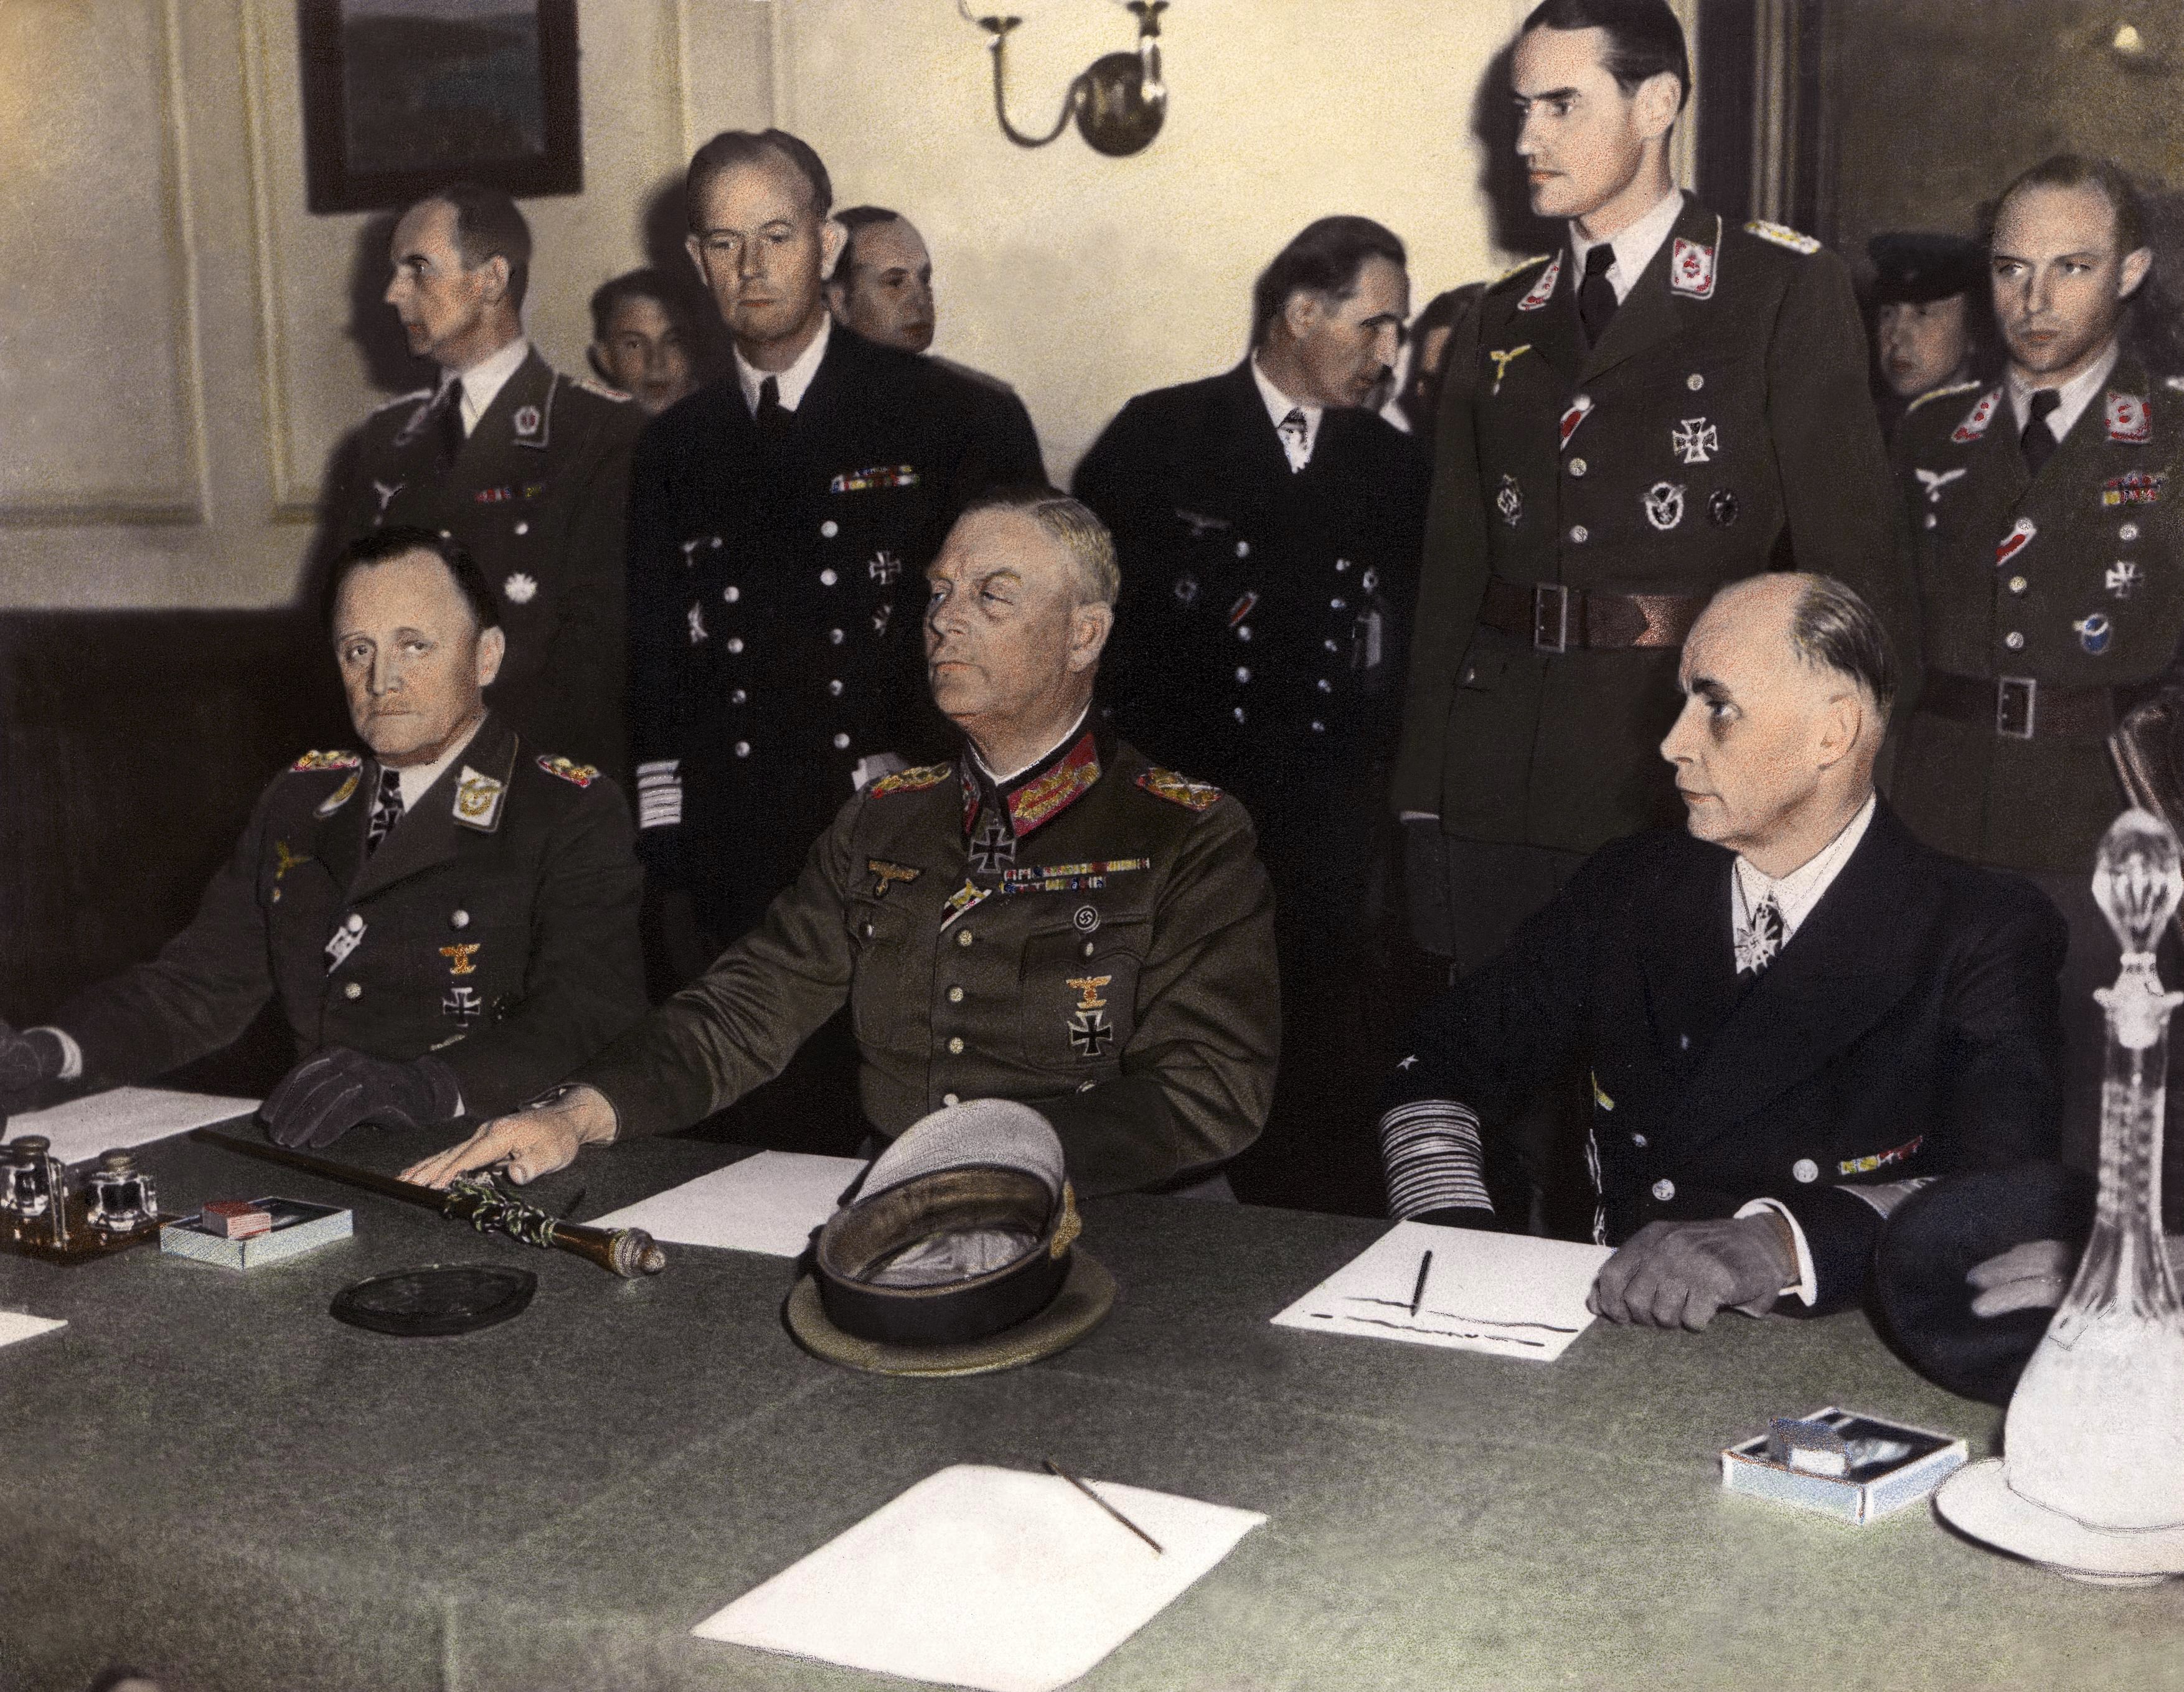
{"points": [[780, 525], [1792, 1014], [1268, 523], [446, 921], [528, 468], [1050, 918], [1668, 403]]}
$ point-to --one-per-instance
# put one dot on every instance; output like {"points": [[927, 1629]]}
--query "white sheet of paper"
{"points": [[14, 1325], [126, 1116], [986, 1578], [770, 1203], [1508, 1295]]}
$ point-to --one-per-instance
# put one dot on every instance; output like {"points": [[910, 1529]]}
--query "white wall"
{"points": [[174, 364]]}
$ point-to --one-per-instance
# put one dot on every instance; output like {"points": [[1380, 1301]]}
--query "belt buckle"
{"points": [[1550, 617], [2016, 703]]}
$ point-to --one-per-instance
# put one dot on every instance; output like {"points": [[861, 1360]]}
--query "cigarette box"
{"points": [[1839, 1463], [293, 1227]]}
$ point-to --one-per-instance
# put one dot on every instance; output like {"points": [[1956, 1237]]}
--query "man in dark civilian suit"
{"points": [[1793, 1015], [1268, 524], [526, 467]]}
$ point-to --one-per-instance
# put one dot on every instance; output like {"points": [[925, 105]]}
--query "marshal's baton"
{"points": [[628, 1252]]}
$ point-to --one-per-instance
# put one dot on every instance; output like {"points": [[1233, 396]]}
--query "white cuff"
{"points": [[1431, 1154], [659, 794], [1807, 1286], [71, 1053]]}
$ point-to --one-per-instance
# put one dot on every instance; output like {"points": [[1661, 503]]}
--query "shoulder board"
{"points": [[325, 760], [1782, 236], [1181, 790], [582, 775], [401, 399], [1518, 269], [914, 781], [599, 388], [1941, 393]]}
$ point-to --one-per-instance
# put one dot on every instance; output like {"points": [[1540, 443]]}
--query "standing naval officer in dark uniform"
{"points": [[1049, 918], [780, 524], [446, 921], [528, 468], [2051, 570], [1668, 403], [1269, 526]]}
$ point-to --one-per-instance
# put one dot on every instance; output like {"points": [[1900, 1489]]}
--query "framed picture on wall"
{"points": [[403, 96]]}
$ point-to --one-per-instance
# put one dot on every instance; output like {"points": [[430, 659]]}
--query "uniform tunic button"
{"points": [[830, 528], [1330, 646], [1932, 521], [1238, 714], [2017, 584], [2013, 641], [1664, 1189], [954, 1045], [735, 642], [1324, 685], [738, 696], [964, 937], [2128, 532], [827, 578], [447, 534], [1089, 946], [276, 895], [1243, 549], [742, 748], [1806, 1170], [1338, 605], [841, 743], [1638, 1140], [353, 990], [833, 637], [458, 919], [731, 592], [1694, 382], [1243, 632], [835, 688], [1341, 564], [950, 1099], [1577, 466], [869, 931], [1578, 534], [1242, 674], [523, 528], [354, 923], [1318, 727], [955, 996]]}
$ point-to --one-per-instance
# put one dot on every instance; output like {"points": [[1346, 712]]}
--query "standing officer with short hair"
{"points": [[1929, 307], [2051, 569], [528, 468]]}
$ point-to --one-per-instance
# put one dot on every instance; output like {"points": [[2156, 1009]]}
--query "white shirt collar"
{"points": [[417, 780], [1002, 781], [1634, 244], [1280, 405], [484, 380], [2075, 394], [1798, 892], [793, 381]]}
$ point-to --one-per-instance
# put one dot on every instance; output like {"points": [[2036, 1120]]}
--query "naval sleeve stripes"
{"points": [[1429, 1152], [659, 794]]}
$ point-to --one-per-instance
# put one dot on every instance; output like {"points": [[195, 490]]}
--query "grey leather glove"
{"points": [[329, 1093]]}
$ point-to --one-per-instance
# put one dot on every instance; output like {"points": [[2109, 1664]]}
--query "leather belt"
{"points": [[1554, 618], [2019, 707]]}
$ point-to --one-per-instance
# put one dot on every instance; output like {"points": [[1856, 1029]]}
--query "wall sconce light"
{"points": [[1118, 101]]}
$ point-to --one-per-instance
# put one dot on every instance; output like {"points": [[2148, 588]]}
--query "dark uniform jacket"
{"points": [[1108, 958], [1262, 627], [1908, 1030], [495, 926], [775, 602], [1721, 427], [2071, 579], [536, 494]]}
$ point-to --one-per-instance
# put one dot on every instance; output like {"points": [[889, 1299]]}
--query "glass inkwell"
{"points": [[2090, 1483], [120, 1196], [29, 1178]]}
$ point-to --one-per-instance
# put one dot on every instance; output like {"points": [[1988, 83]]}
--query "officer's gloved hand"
{"points": [[329, 1093], [27, 1058]]}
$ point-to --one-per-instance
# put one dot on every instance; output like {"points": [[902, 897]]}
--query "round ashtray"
{"points": [[436, 1299]]}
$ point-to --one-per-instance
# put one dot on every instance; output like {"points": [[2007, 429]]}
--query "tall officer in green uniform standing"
{"points": [[1049, 918], [1670, 403], [2045, 508], [528, 468], [446, 922]]}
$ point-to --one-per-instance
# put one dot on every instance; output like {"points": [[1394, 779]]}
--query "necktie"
{"points": [[1757, 944], [1595, 295], [451, 435], [1296, 433], [773, 415], [385, 811], [2038, 440]]}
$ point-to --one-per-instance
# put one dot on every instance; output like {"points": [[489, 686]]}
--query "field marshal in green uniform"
{"points": [[1049, 918], [445, 920], [1668, 403]]}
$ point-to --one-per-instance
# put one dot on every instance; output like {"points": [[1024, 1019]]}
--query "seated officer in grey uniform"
{"points": [[446, 922], [1786, 1037], [1050, 918]]}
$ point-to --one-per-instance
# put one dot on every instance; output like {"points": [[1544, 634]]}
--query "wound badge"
{"points": [[521, 589], [1721, 508], [2094, 633], [1186, 590], [1695, 441], [527, 420], [1510, 502], [1665, 504], [2122, 576]]}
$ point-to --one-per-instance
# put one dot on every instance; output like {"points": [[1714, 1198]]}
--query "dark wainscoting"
{"points": [[132, 746]]}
